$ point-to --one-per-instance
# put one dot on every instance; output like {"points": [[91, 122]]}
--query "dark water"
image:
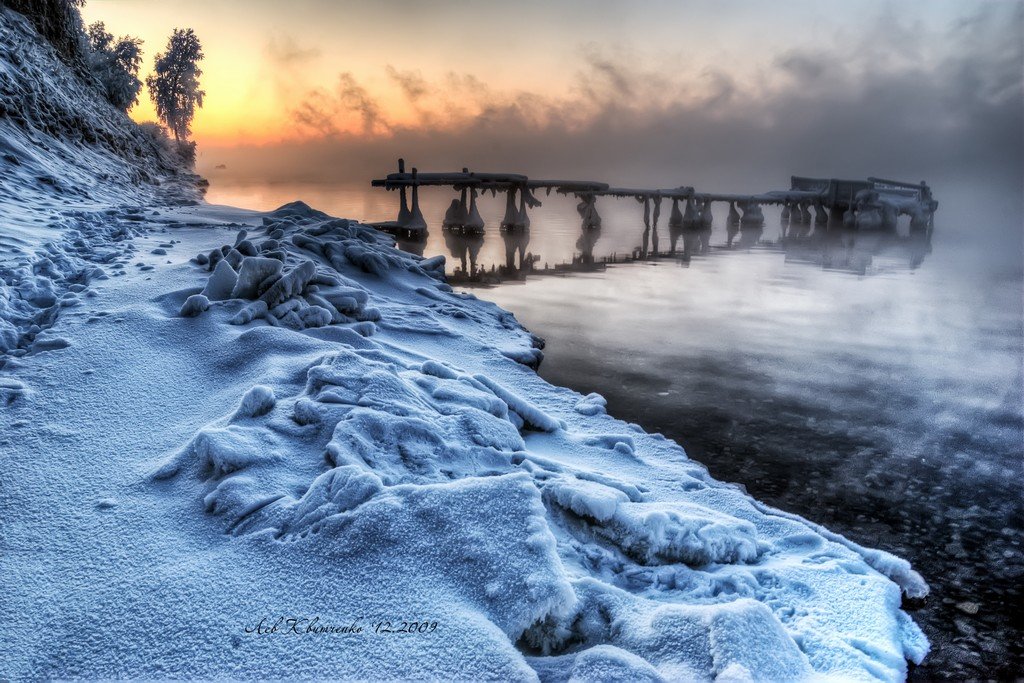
{"points": [[872, 382]]}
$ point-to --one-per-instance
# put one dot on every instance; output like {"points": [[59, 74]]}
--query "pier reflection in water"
{"points": [[830, 247], [855, 378], [819, 365]]}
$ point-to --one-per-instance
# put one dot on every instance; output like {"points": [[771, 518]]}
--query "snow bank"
{"points": [[597, 549], [74, 172]]}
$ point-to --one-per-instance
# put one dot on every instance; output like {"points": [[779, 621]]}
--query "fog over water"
{"points": [[889, 95]]}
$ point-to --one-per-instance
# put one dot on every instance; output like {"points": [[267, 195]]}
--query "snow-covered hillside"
{"points": [[62, 144], [66, 158], [223, 432]]}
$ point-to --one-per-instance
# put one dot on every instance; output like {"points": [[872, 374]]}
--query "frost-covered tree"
{"points": [[174, 83], [116, 64]]}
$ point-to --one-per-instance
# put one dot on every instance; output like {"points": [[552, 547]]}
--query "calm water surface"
{"points": [[872, 383]]}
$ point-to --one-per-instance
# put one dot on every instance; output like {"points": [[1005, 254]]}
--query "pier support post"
{"points": [[523, 219], [850, 217], [416, 220], [457, 215], [508, 222], [675, 217], [404, 214], [835, 216], [690, 216], [706, 218], [734, 215], [805, 214], [753, 217], [820, 217], [646, 200], [920, 219], [654, 223], [587, 209], [475, 221]]}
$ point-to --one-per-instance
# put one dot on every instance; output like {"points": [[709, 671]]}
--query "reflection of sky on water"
{"points": [[886, 406]]}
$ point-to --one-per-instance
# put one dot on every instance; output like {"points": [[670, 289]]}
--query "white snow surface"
{"points": [[213, 418], [342, 436]]}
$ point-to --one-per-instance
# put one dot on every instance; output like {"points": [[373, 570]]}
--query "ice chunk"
{"points": [[258, 401], [586, 498], [250, 312], [591, 404], [254, 276], [530, 413], [290, 284], [222, 451], [221, 282], [655, 533]]}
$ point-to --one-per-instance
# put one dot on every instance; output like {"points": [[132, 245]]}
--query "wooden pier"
{"points": [[870, 204]]}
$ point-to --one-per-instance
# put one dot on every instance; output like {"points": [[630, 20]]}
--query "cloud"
{"points": [[286, 65], [605, 76], [324, 112], [412, 83], [316, 113], [915, 104], [807, 67]]}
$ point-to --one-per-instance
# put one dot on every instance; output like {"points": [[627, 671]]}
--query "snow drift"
{"points": [[366, 423], [593, 546]]}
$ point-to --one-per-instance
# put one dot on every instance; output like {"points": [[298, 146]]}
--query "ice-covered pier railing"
{"points": [[874, 203]]}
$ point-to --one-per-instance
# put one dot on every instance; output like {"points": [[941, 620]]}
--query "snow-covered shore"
{"points": [[214, 421], [171, 481]]}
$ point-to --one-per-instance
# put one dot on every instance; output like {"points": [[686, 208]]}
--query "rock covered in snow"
{"points": [[194, 305], [221, 283]]}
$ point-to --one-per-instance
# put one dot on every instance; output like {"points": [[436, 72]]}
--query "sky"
{"points": [[714, 94]]}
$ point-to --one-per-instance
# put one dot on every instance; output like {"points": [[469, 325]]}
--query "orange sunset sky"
{"points": [[312, 90], [265, 58]]}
